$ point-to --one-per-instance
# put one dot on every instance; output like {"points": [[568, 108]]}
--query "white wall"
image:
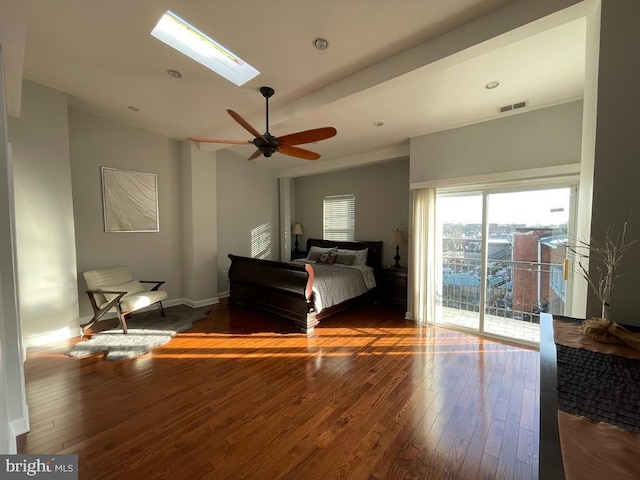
{"points": [[539, 138], [97, 142], [247, 203], [199, 225], [44, 216], [382, 202]]}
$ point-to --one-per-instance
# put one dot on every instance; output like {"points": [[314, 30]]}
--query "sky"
{"points": [[532, 208]]}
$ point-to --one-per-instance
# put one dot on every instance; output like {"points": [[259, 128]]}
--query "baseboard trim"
{"points": [[51, 337], [66, 333], [18, 427], [200, 303], [223, 294]]}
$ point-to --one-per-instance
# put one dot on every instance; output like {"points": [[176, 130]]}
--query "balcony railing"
{"points": [[518, 290]]}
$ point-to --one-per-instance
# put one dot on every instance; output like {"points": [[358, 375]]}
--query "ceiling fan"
{"points": [[268, 144]]}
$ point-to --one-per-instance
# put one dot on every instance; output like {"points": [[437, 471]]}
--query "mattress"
{"points": [[334, 284]]}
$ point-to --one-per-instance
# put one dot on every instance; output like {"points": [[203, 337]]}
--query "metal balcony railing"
{"points": [[519, 290]]}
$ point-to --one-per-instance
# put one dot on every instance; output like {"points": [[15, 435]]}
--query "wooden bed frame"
{"points": [[285, 289]]}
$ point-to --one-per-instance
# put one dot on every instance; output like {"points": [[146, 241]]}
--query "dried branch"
{"points": [[606, 259]]}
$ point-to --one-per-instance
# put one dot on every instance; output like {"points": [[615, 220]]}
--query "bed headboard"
{"points": [[374, 257]]}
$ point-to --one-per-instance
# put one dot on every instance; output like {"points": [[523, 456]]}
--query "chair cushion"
{"points": [[134, 286], [135, 301], [106, 277]]}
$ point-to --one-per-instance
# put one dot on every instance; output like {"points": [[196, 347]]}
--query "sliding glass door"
{"points": [[501, 258], [460, 232]]}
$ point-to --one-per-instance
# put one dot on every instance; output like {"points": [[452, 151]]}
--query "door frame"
{"points": [[486, 188]]}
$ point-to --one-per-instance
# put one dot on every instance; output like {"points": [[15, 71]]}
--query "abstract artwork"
{"points": [[130, 201]]}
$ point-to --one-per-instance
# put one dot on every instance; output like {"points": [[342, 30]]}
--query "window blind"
{"points": [[339, 217]]}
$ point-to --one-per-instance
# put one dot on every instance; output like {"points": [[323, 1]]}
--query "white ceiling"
{"points": [[102, 55]]}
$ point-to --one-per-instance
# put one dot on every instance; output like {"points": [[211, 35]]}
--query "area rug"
{"points": [[146, 331]]}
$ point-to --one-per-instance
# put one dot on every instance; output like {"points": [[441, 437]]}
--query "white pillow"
{"points": [[314, 252], [360, 256], [134, 286]]}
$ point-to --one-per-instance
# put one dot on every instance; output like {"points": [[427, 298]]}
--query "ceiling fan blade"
{"points": [[245, 124], [307, 136], [255, 154], [298, 152], [213, 140]]}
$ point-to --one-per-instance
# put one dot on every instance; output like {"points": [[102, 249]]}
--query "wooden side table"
{"points": [[392, 286]]}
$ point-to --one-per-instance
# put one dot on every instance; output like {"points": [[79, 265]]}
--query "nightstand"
{"points": [[299, 254], [392, 286]]}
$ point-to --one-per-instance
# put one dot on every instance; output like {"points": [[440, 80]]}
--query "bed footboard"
{"points": [[284, 289]]}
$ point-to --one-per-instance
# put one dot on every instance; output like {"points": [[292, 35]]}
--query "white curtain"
{"points": [[423, 274]]}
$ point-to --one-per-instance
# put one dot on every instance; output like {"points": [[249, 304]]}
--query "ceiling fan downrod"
{"points": [[267, 92]]}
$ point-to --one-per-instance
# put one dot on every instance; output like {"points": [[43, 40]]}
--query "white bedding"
{"points": [[333, 284]]}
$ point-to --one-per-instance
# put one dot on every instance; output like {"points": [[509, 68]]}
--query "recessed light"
{"points": [[133, 108], [187, 39], [492, 85], [174, 73], [378, 124], [320, 43]]}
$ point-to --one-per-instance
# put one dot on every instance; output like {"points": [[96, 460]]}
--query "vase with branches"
{"points": [[604, 260]]}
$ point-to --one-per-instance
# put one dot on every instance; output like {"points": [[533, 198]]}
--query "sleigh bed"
{"points": [[308, 290]]}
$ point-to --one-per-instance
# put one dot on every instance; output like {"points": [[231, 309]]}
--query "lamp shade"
{"points": [[397, 238], [297, 229]]}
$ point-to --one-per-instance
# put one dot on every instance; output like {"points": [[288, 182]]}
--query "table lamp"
{"points": [[397, 239]]}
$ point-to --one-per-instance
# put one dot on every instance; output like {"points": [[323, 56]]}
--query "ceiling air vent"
{"points": [[514, 106]]}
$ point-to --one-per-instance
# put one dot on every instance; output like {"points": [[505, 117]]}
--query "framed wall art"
{"points": [[130, 201]]}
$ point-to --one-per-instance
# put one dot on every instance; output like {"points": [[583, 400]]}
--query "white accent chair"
{"points": [[113, 289]]}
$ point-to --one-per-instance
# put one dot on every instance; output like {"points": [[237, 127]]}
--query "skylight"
{"points": [[187, 39]]}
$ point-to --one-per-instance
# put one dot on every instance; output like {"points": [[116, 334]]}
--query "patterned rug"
{"points": [[146, 331]]}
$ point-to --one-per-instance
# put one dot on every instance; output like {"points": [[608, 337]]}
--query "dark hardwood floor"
{"points": [[367, 396]]}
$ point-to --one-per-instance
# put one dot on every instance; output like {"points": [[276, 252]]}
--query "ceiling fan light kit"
{"points": [[268, 144]]}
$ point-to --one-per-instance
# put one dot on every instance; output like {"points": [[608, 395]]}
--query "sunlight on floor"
{"points": [[433, 341], [508, 328]]}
